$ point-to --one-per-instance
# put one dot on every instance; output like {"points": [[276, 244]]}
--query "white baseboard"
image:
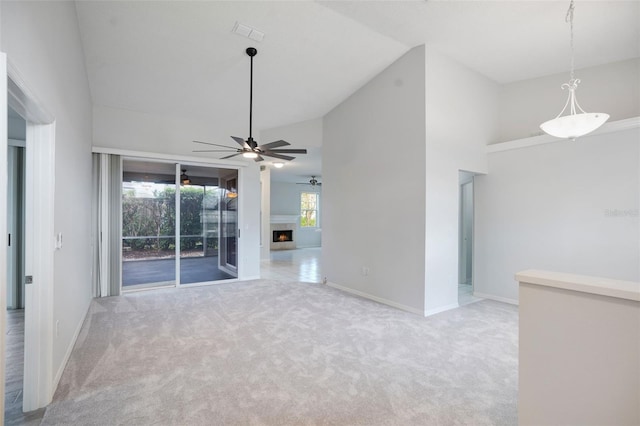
{"points": [[67, 355], [496, 298], [376, 299], [250, 278], [440, 309]]}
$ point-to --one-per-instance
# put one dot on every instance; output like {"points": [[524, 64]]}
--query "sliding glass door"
{"points": [[165, 203], [148, 225], [202, 203]]}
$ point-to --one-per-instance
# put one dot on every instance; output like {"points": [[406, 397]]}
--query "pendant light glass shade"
{"points": [[574, 125], [578, 122]]}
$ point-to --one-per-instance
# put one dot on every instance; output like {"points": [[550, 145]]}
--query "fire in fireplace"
{"points": [[282, 236]]}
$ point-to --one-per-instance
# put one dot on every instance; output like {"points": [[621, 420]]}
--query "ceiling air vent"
{"points": [[247, 31]]}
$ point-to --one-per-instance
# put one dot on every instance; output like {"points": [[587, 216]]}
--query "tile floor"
{"points": [[465, 295], [304, 265], [293, 265]]}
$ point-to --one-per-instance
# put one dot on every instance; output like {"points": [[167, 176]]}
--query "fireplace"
{"points": [[283, 232], [282, 236]]}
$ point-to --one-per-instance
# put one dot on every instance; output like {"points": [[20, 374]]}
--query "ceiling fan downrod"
{"points": [[251, 51], [249, 148]]}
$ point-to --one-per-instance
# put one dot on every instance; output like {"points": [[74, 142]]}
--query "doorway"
{"points": [[179, 224], [39, 178], [15, 210], [465, 238]]}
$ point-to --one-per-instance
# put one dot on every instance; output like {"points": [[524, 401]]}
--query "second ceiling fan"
{"points": [[313, 182], [250, 148]]}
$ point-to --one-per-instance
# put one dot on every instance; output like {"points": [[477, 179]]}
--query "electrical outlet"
{"points": [[365, 271]]}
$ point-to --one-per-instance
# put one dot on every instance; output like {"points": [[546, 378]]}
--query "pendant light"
{"points": [[577, 122]]}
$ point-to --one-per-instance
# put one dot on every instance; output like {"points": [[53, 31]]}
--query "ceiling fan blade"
{"points": [[258, 158], [214, 150], [288, 151], [241, 142], [272, 145], [275, 155], [232, 155], [214, 144]]}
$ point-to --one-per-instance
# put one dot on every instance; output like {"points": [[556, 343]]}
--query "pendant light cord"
{"points": [[569, 18]]}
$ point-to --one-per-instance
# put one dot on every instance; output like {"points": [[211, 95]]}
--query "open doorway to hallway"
{"points": [[14, 354]]}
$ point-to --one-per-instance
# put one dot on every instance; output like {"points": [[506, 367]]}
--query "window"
{"points": [[309, 203]]}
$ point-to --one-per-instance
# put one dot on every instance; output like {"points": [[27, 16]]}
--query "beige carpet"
{"points": [[277, 353]]}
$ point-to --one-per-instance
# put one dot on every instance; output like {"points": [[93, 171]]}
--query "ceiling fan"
{"points": [[184, 179], [250, 148], [313, 182]]}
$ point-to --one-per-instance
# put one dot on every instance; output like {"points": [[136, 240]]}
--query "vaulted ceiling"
{"points": [[181, 58]]}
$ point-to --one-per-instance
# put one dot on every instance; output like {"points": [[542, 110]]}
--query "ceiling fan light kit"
{"points": [[250, 148], [278, 164], [578, 122], [184, 179]]}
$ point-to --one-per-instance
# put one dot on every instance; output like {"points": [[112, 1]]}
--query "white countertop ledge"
{"points": [[594, 285]]}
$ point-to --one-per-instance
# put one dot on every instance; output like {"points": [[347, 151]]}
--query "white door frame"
{"points": [[39, 238], [3, 220]]}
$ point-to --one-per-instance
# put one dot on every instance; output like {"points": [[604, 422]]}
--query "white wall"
{"points": [[133, 130], [285, 200], [612, 88], [265, 211], [17, 129], [42, 42], [306, 133], [565, 206], [460, 121], [249, 241], [373, 187]]}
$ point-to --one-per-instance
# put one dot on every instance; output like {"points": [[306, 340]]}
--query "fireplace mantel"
{"points": [[284, 218]]}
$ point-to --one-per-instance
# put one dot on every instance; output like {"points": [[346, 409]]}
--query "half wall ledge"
{"points": [[579, 350]]}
